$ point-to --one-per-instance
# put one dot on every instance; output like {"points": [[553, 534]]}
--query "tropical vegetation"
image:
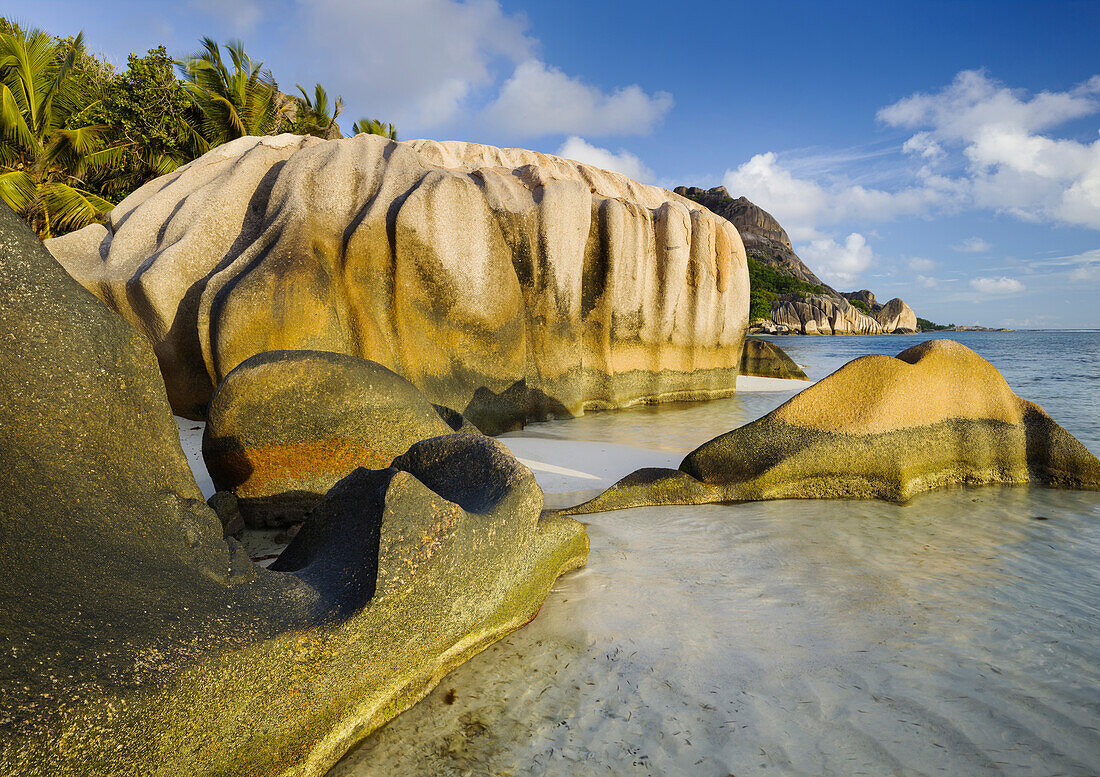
{"points": [[77, 136], [766, 283], [928, 326]]}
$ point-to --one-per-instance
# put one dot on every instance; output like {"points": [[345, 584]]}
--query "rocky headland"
{"points": [[814, 308], [503, 283]]}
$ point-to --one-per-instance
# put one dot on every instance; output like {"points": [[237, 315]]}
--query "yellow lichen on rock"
{"points": [[879, 427]]}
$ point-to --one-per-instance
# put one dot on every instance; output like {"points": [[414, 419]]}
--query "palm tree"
{"points": [[229, 104], [47, 150], [374, 127], [313, 117]]}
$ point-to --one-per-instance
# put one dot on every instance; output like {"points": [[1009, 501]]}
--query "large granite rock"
{"points": [[765, 359], [818, 314], [896, 316], [504, 283], [879, 427], [285, 426], [138, 642], [765, 240]]}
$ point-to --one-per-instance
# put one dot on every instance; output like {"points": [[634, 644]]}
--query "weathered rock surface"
{"points": [[139, 642], [475, 272], [879, 427], [817, 314], [896, 316], [767, 360], [285, 426], [765, 240], [866, 296]]}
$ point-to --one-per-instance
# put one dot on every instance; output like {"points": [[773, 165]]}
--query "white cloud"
{"points": [[414, 61], [803, 206], [623, 162], [838, 262], [973, 102], [1011, 167], [540, 99], [973, 245], [1086, 272], [989, 131], [996, 286], [241, 15], [921, 265], [923, 145]]}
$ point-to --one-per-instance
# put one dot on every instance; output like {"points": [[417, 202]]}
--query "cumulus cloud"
{"points": [[921, 265], [415, 61], [623, 162], [540, 99], [839, 262], [996, 286], [994, 134], [973, 245], [804, 206], [1012, 167]]}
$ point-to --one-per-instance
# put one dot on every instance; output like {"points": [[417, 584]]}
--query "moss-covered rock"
{"points": [[879, 427], [138, 641], [285, 426], [765, 359]]}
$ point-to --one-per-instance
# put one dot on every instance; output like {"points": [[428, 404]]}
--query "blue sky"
{"points": [[944, 152]]}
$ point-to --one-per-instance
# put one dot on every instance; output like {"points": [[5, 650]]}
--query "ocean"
{"points": [[957, 634]]}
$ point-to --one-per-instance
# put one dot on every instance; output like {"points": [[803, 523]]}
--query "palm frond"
{"points": [[18, 190], [71, 208]]}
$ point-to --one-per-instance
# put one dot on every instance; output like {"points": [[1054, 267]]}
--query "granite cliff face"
{"points": [[896, 316], [824, 312], [818, 314], [503, 283], [765, 240]]}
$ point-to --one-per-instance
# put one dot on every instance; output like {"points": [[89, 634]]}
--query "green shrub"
{"points": [[766, 283], [928, 326]]}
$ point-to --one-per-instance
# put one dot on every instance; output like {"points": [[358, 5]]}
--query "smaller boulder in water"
{"points": [[880, 427], [765, 359]]}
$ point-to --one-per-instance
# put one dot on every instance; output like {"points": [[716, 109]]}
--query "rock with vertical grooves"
{"points": [[504, 283]]}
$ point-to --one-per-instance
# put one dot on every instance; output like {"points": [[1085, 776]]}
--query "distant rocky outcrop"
{"points": [[879, 427], [866, 296], [812, 311], [896, 316], [504, 283], [138, 641], [765, 240], [285, 426]]}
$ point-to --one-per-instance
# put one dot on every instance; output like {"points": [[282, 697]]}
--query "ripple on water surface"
{"points": [[954, 635], [957, 634]]}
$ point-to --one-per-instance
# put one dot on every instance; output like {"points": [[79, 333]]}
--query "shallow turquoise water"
{"points": [[958, 634]]}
